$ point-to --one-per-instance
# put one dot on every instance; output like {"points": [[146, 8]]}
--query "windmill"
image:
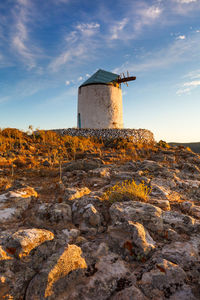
{"points": [[100, 100]]}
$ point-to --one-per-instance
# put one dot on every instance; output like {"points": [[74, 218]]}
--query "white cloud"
{"points": [[181, 37], [88, 29], [185, 1], [151, 12], [117, 28], [183, 91], [80, 78], [194, 83], [147, 16], [67, 82]]}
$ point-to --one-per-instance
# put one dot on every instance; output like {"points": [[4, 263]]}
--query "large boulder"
{"points": [[105, 279], [133, 237], [59, 275]]}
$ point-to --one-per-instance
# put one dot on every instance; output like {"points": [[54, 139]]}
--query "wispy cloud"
{"points": [[117, 29], [21, 41], [184, 7], [135, 19], [180, 50], [79, 44], [193, 81], [193, 74]]}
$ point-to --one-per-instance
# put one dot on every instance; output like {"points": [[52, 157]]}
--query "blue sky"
{"points": [[48, 48]]}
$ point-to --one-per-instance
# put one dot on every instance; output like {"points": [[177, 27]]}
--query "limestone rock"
{"points": [[178, 221], [14, 203], [166, 277], [163, 204], [74, 193], [182, 253], [58, 275], [23, 241], [92, 216], [109, 271], [58, 214], [133, 237], [147, 214], [100, 172]]}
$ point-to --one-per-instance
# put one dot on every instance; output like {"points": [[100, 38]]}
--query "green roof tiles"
{"points": [[101, 76]]}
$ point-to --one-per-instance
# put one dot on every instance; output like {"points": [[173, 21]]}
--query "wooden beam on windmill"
{"points": [[125, 79]]}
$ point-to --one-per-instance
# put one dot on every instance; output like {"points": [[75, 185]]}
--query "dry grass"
{"points": [[127, 190], [5, 183]]}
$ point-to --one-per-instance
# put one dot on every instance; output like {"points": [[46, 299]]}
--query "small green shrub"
{"points": [[127, 190]]}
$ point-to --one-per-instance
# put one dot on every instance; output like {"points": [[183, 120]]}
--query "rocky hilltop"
{"points": [[61, 239]]}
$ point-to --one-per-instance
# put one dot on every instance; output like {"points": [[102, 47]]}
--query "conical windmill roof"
{"points": [[101, 77]]}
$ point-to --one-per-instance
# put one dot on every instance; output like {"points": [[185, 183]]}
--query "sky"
{"points": [[49, 47]]}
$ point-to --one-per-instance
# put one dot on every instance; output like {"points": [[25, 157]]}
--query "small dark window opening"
{"points": [[79, 120]]}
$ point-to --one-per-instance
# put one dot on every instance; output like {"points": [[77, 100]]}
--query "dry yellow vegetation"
{"points": [[127, 190]]}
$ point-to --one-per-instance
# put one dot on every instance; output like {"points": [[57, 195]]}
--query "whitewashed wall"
{"points": [[100, 106]]}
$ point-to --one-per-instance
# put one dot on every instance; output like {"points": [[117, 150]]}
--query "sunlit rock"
{"points": [[23, 241]]}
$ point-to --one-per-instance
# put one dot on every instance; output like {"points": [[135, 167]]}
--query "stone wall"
{"points": [[136, 135]]}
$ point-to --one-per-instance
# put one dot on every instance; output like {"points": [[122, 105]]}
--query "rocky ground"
{"points": [[59, 240]]}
